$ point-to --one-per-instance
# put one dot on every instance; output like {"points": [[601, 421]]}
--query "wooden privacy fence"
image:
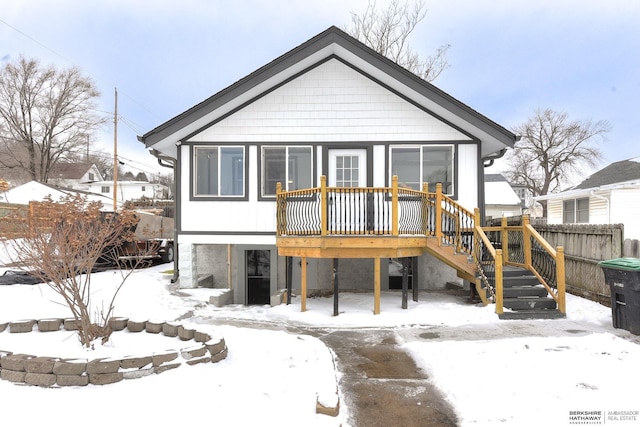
{"points": [[17, 220], [631, 248], [585, 245]]}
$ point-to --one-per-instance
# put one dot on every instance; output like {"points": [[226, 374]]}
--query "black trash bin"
{"points": [[623, 277]]}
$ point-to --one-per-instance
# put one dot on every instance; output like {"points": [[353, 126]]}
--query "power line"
{"points": [[139, 130], [36, 41]]}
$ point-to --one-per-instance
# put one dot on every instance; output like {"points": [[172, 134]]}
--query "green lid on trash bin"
{"points": [[622, 264]]}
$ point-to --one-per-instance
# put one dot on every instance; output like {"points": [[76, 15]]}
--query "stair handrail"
{"points": [[485, 257], [449, 212], [535, 264]]}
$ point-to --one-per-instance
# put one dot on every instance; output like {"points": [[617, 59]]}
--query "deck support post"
{"points": [[336, 288], [376, 286], [289, 262], [414, 278], [303, 291], [405, 282]]}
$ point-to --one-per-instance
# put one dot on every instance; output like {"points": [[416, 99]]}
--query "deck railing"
{"points": [[390, 211], [489, 262]]}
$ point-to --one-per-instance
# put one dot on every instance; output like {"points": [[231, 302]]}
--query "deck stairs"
{"points": [[523, 295], [525, 298]]}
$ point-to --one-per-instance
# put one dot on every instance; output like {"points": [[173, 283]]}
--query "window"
{"points": [[291, 166], [143, 188], [575, 211], [347, 171], [219, 171], [415, 165], [105, 189], [92, 177]]}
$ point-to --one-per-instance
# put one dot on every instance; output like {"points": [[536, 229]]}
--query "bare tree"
{"points": [[387, 32], [552, 149], [63, 242], [46, 115]]}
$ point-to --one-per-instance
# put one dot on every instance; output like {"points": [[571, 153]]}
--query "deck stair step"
{"points": [[524, 291], [525, 298], [514, 281], [532, 314], [530, 303]]}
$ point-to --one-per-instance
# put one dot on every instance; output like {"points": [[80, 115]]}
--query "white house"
{"points": [[131, 190], [500, 198], [37, 191], [609, 196], [331, 107], [78, 176]]}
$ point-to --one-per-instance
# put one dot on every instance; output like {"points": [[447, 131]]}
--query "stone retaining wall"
{"points": [[52, 371]]}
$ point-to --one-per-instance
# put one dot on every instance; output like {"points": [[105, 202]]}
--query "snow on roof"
{"points": [[37, 191], [500, 193]]}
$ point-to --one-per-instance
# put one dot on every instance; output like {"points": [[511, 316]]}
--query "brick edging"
{"points": [[61, 372]]}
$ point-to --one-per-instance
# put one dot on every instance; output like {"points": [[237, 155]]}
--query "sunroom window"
{"points": [[291, 166], [219, 171], [415, 165]]}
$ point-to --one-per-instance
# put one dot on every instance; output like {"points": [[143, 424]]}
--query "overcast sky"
{"points": [[507, 57]]}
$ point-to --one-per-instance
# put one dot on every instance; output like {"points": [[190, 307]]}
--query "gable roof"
{"points": [[616, 175], [618, 172], [331, 42], [63, 170]]}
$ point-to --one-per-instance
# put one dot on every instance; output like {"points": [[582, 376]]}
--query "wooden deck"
{"points": [[396, 222]]}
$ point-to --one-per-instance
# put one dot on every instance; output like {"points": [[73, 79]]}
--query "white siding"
{"points": [[599, 208], [130, 190], [379, 161], [625, 209], [330, 103], [554, 212], [468, 176]]}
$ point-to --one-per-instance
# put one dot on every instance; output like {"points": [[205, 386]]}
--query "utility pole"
{"points": [[115, 153]]}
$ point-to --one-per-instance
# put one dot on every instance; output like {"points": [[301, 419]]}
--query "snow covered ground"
{"points": [[493, 372]]}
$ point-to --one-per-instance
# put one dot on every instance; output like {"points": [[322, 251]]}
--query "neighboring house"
{"points": [[79, 176], [529, 206], [609, 196], [37, 191], [131, 190], [501, 200], [330, 107]]}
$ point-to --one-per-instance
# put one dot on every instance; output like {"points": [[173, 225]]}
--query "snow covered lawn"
{"points": [[493, 372]]}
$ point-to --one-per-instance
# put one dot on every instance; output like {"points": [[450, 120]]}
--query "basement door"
{"points": [[258, 271]]}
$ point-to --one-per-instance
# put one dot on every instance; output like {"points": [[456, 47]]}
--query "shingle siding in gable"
{"points": [[331, 102]]}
